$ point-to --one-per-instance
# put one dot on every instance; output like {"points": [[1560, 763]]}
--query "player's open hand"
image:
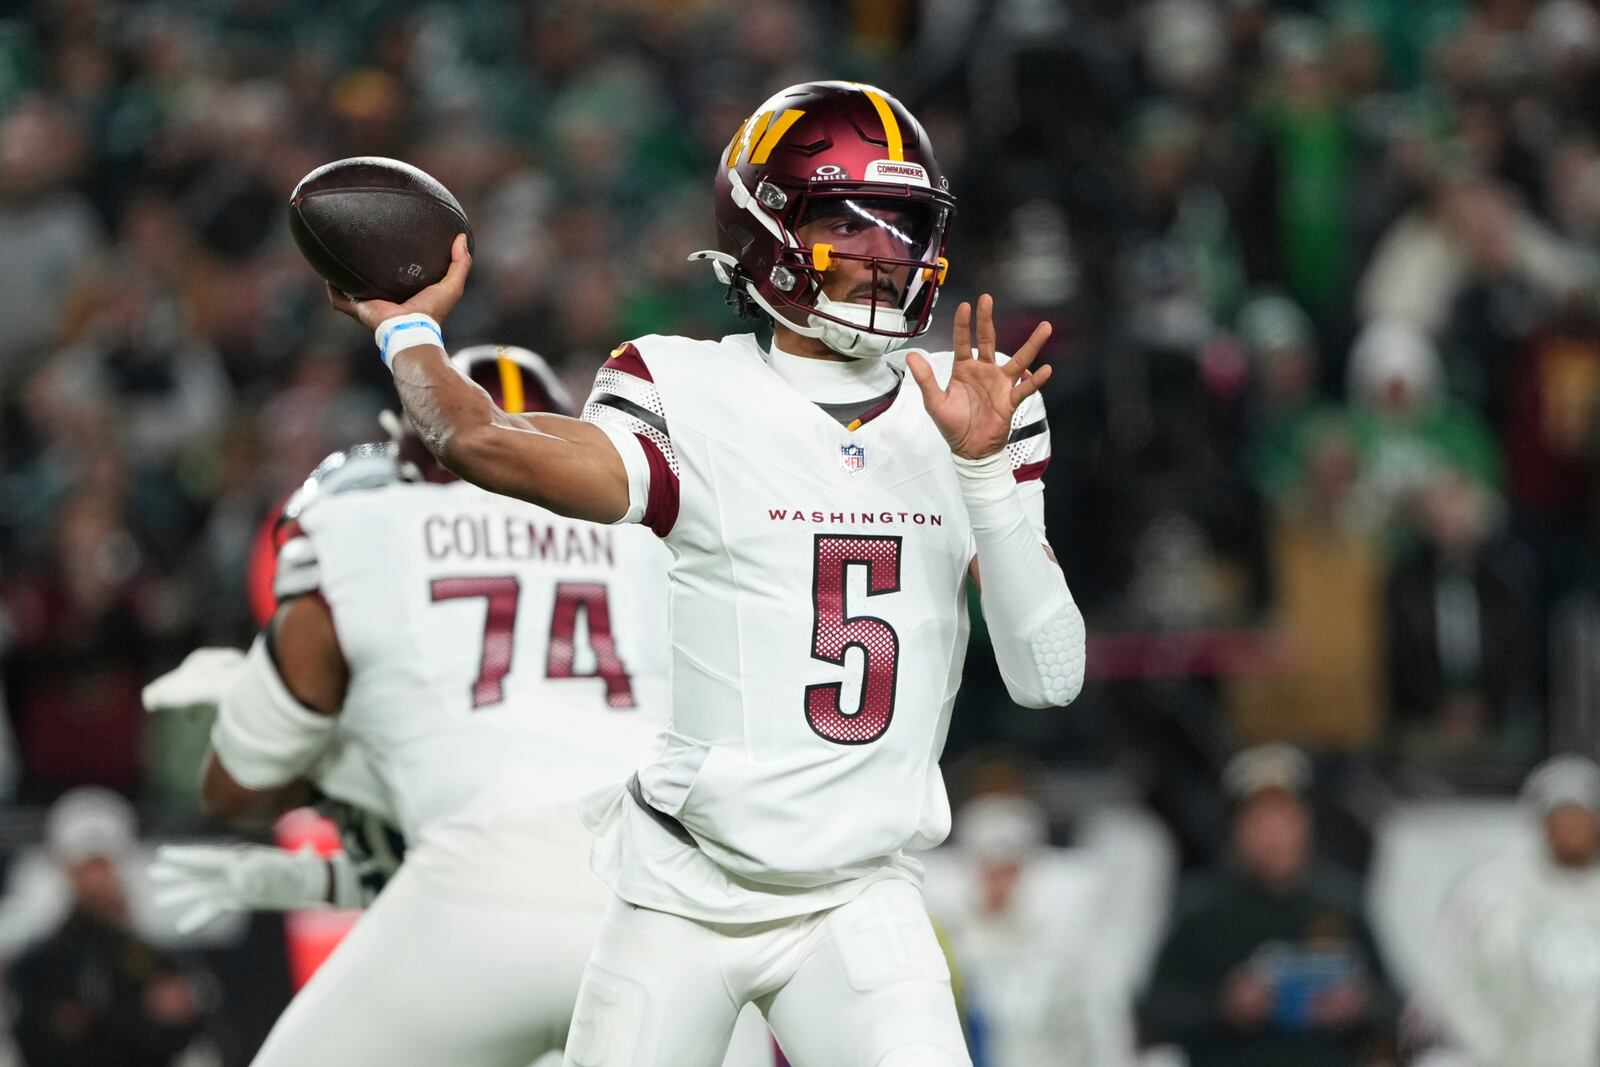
{"points": [[436, 301], [974, 411]]}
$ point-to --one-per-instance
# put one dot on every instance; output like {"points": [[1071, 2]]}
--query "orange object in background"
{"points": [[263, 565], [311, 934]]}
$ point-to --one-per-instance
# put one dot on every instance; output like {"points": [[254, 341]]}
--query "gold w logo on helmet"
{"points": [[759, 135]]}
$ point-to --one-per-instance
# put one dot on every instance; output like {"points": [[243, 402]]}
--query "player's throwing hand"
{"points": [[436, 301], [974, 411]]}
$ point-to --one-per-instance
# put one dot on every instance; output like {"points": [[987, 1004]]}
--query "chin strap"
{"points": [[856, 340]]}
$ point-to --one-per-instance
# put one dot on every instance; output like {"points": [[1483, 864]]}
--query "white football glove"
{"points": [[206, 881], [199, 682]]}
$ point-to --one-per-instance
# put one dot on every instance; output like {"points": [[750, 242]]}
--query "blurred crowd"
{"points": [[1324, 277], [1474, 942]]}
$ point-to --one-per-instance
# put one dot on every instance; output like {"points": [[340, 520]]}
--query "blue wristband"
{"points": [[395, 335]]}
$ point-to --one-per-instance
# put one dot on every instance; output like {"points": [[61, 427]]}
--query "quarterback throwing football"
{"points": [[825, 500]]}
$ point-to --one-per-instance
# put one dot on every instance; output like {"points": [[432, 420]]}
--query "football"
{"points": [[375, 227]]}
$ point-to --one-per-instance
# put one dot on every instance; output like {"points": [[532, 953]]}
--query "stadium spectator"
{"points": [[1514, 976], [1409, 425], [1177, 204], [1326, 563], [1299, 191], [1459, 633], [139, 355], [1326, 691], [1270, 960], [1469, 231], [94, 994], [44, 222], [1548, 425], [82, 627], [1026, 927], [1281, 344]]}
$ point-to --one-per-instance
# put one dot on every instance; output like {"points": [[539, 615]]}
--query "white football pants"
{"points": [[470, 957], [861, 985]]}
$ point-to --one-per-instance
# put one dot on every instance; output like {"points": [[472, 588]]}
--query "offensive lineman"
{"points": [[823, 512], [491, 661]]}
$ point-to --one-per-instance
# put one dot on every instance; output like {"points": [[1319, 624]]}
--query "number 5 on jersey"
{"points": [[572, 599], [835, 631]]}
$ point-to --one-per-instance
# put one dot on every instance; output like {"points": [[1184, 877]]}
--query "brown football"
{"points": [[375, 227]]}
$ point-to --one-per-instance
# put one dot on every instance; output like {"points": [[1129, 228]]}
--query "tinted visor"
{"points": [[899, 237], [879, 226]]}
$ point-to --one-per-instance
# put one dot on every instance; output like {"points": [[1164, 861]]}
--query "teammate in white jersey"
{"points": [[490, 661], [825, 506]]}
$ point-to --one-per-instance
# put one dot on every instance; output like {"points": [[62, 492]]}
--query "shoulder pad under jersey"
{"points": [[365, 466], [670, 346]]}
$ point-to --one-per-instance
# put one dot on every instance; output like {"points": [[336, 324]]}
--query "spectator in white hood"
{"points": [[1514, 975], [1410, 428], [1047, 942]]}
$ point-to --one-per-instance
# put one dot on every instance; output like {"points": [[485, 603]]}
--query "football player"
{"points": [[490, 662], [825, 500]]}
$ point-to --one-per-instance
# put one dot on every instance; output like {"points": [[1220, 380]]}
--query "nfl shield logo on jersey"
{"points": [[853, 458]]}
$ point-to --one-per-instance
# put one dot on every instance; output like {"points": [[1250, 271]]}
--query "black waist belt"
{"points": [[663, 820]]}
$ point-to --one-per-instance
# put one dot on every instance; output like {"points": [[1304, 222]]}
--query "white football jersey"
{"points": [[492, 645], [819, 624]]}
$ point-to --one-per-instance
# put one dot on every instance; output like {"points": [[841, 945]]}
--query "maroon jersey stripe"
{"points": [[1029, 471], [661, 507]]}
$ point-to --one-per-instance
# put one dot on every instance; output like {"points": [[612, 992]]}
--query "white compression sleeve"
{"points": [[264, 737], [1034, 625]]}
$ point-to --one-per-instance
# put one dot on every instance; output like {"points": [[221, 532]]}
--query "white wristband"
{"points": [[989, 490], [405, 331]]}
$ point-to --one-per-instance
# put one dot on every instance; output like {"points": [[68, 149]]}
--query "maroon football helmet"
{"points": [[519, 380], [853, 157]]}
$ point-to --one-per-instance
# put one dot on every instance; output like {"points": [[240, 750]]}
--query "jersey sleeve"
{"points": [[1028, 449], [627, 405]]}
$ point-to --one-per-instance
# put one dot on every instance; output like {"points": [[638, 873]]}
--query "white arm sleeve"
{"points": [[638, 468], [1036, 628], [263, 736], [1032, 494]]}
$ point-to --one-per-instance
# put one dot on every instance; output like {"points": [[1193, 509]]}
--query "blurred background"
{"points": [[1327, 368]]}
